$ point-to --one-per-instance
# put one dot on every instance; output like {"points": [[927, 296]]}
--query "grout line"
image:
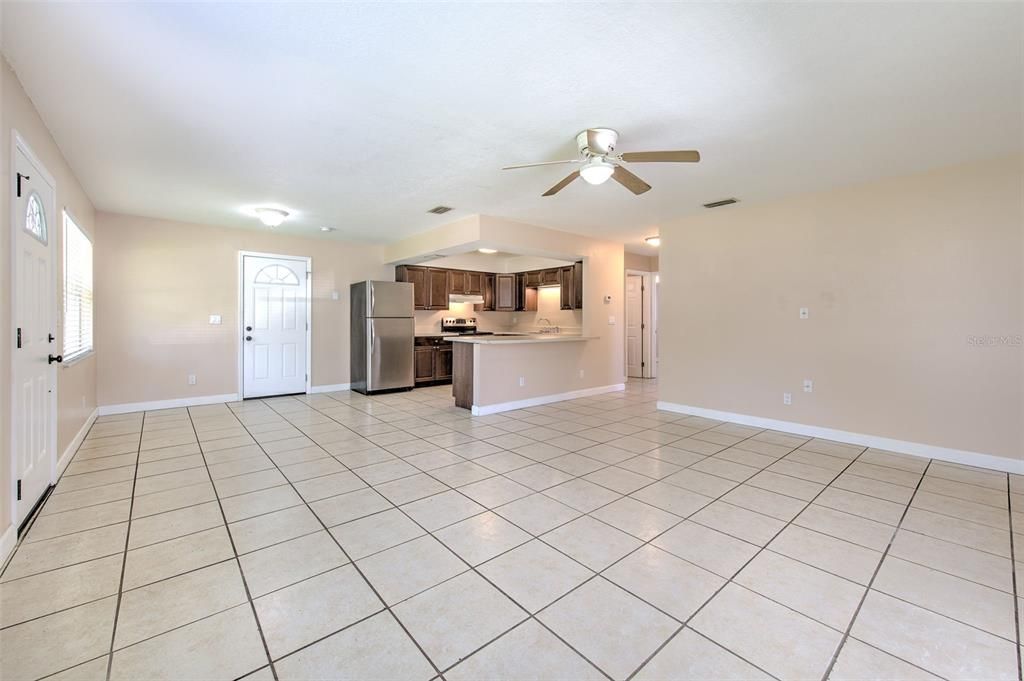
{"points": [[124, 557], [878, 568]]}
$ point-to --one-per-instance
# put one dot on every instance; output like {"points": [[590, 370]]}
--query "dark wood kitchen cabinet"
{"points": [[417, 276], [456, 281], [423, 363], [577, 286], [505, 292], [533, 278], [489, 294], [474, 283], [550, 277], [438, 286], [566, 287], [432, 360]]}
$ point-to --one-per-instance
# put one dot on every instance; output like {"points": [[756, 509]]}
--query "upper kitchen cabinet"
{"points": [[417, 276], [577, 285], [475, 283], [457, 281], [490, 300], [566, 285], [551, 277], [438, 286], [505, 292]]}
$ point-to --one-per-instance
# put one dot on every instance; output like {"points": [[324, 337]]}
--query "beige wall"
{"points": [[641, 263], [76, 384], [897, 276], [160, 281], [547, 369]]}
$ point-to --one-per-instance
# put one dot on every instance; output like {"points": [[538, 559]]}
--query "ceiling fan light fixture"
{"points": [[597, 171], [653, 241], [271, 217]]}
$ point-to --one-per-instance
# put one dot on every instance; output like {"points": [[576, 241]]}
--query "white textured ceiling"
{"points": [[363, 116]]}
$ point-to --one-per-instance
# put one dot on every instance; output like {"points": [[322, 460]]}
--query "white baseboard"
{"points": [[337, 387], [545, 399], [8, 541], [999, 463], [75, 443], [109, 409]]}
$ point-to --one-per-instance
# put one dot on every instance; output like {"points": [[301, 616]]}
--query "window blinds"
{"points": [[77, 291]]}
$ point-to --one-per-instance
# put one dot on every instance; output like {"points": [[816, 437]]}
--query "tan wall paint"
{"points": [[897, 275], [641, 263], [76, 384], [159, 281], [548, 369]]}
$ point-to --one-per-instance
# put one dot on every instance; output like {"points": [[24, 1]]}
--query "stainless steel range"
{"points": [[464, 326]]}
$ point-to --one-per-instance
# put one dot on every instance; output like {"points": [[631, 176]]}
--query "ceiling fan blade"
{"points": [[629, 180], [543, 163], [661, 156], [562, 185]]}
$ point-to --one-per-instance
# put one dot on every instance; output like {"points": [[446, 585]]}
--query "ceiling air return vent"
{"points": [[439, 210], [719, 204]]}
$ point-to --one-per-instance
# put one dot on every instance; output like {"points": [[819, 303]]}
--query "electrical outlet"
{"points": [[804, 313], [215, 319], [787, 398], [522, 381], [191, 379], [808, 385], [611, 321]]}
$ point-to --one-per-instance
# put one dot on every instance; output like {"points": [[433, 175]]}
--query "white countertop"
{"points": [[435, 334], [529, 338]]}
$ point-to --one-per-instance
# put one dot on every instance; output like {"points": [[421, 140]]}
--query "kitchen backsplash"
{"points": [[548, 306]]}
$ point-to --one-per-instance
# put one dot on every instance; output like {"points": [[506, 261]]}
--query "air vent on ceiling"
{"points": [[723, 202], [439, 210]]}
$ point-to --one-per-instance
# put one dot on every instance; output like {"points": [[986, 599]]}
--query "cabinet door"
{"points": [[551, 276], [443, 363], [565, 276], [456, 281], [474, 283], [489, 294], [438, 297], [423, 364], [417, 276], [577, 286], [505, 294], [533, 278]]}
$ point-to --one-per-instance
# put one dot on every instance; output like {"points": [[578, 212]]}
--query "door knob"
{"points": [[248, 338], [55, 358], [248, 328]]}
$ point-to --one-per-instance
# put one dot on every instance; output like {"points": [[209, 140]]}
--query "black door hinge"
{"points": [[19, 491], [20, 178], [19, 337]]}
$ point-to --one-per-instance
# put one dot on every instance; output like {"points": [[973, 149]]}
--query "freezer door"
{"points": [[389, 299], [390, 353]]}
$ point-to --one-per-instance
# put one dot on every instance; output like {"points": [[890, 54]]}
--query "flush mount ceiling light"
{"points": [[597, 171], [327, 229], [487, 251], [653, 240], [271, 217]]}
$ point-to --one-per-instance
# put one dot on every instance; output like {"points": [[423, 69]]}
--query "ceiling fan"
{"points": [[599, 161]]}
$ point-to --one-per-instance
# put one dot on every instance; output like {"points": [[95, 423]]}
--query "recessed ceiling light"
{"points": [[487, 251], [327, 229], [271, 217], [653, 240]]}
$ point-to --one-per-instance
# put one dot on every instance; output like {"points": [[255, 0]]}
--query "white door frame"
{"points": [[647, 316], [655, 281], [241, 315], [55, 232]]}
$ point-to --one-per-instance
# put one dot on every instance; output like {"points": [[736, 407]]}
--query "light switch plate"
{"points": [[335, 295], [611, 320], [808, 385], [804, 313], [215, 319]]}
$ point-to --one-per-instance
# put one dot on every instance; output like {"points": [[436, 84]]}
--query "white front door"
{"points": [[634, 326], [34, 402], [275, 321]]}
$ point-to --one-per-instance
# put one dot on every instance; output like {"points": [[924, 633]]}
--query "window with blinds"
{"points": [[77, 291]]}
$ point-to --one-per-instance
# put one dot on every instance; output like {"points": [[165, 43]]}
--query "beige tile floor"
{"points": [[395, 537]]}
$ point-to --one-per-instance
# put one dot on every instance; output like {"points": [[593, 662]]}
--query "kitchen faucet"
{"points": [[548, 328]]}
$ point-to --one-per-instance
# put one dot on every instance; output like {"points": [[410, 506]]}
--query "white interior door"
{"points": [[634, 326], [275, 324], [34, 399]]}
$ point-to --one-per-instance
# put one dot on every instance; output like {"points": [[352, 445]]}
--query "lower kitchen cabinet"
{"points": [[432, 360]]}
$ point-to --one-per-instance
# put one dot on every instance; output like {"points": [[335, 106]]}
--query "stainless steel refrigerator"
{"points": [[383, 330]]}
